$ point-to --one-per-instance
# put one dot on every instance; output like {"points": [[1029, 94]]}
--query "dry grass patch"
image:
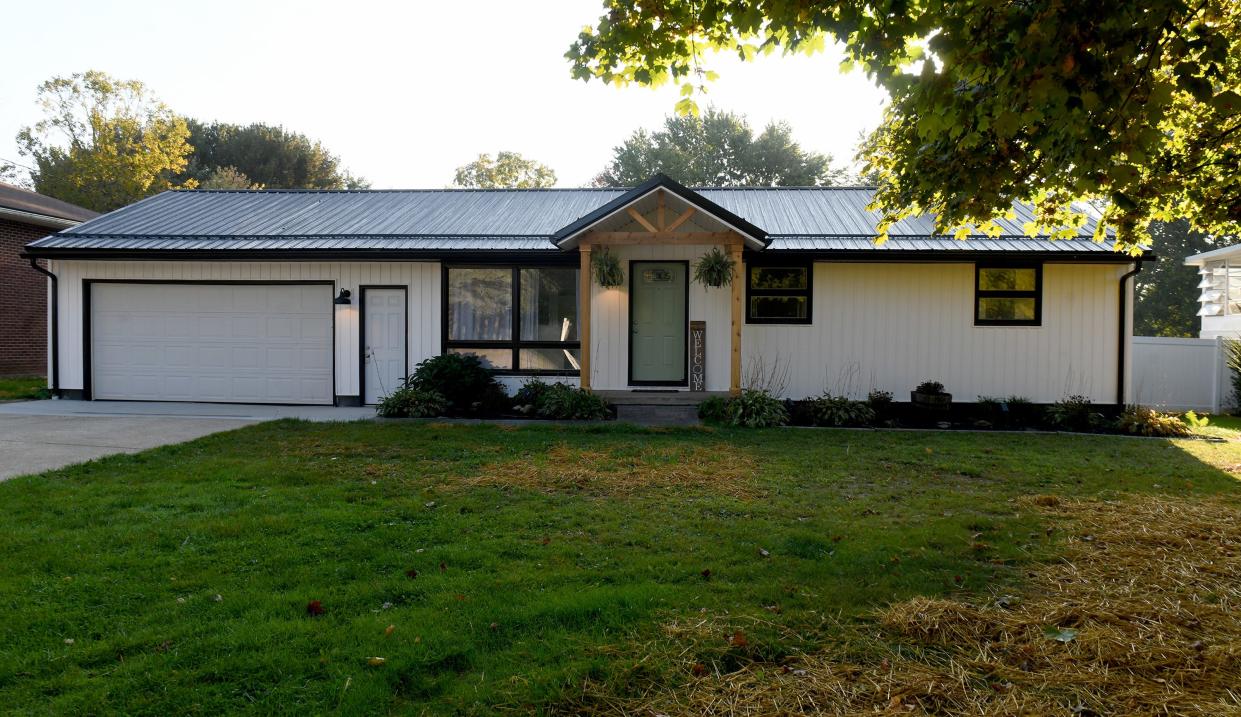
{"points": [[619, 470], [1140, 616]]}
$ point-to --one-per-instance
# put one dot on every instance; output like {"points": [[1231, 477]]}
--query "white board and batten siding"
{"points": [[882, 326], [422, 278], [609, 322], [892, 326]]}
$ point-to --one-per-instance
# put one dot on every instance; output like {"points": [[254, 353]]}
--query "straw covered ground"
{"points": [[1138, 616]]}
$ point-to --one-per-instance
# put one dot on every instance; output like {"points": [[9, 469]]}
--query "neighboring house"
{"points": [[24, 217], [1220, 300], [331, 296]]}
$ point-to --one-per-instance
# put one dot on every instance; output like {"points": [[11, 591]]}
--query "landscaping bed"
{"points": [[422, 567]]}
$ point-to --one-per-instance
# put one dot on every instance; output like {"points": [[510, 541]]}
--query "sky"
{"points": [[405, 92]]}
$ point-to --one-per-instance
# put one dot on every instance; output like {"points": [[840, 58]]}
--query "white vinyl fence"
{"points": [[1180, 374]]}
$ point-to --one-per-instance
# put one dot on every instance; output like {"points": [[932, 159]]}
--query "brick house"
{"points": [[24, 217]]}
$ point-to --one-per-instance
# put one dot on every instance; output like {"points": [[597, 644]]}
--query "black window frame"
{"points": [[1036, 294], [751, 292], [515, 343]]}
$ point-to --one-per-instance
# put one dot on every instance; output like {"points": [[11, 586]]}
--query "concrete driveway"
{"points": [[36, 436]]}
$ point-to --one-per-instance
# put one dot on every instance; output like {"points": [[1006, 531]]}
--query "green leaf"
{"points": [[1059, 634]]}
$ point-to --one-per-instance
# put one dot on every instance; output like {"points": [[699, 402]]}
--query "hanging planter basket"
{"points": [[607, 270], [715, 269]]}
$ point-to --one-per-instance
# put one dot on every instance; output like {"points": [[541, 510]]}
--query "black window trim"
{"points": [[751, 292], [1036, 294], [515, 344]]}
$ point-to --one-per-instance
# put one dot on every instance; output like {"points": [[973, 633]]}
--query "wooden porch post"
{"points": [[734, 381], [584, 311]]}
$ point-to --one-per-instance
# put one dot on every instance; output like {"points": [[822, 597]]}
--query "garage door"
{"points": [[212, 342]]}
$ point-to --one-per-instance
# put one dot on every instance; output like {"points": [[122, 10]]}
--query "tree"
{"points": [[509, 170], [717, 149], [1132, 103], [1166, 291], [103, 142], [273, 157], [227, 178]]}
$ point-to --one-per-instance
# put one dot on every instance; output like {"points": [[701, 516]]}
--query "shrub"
{"points": [[409, 402], [931, 388], [879, 401], [1021, 411], [565, 403], [561, 402], [755, 408], [714, 409], [530, 393], [1232, 356], [1074, 413], [1011, 412], [1143, 421], [829, 410], [1193, 420], [463, 381]]}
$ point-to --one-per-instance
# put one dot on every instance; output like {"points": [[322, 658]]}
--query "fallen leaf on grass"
{"points": [[389, 629], [698, 669], [411, 573], [375, 661], [738, 639], [314, 608], [1059, 634]]}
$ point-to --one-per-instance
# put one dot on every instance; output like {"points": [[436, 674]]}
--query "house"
{"points": [[326, 297], [1220, 300], [24, 217]]}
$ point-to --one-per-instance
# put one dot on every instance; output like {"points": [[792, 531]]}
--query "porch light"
{"points": [[343, 299]]}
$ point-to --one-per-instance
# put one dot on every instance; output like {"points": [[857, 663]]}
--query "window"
{"points": [[1221, 288], [516, 319], [1008, 295], [778, 294]]}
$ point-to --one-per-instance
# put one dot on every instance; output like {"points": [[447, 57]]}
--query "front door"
{"points": [[658, 322], [383, 342]]}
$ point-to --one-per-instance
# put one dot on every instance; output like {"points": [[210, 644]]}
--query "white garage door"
{"points": [[231, 343]]}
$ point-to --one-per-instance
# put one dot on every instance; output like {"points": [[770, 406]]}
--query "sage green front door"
{"points": [[657, 322]]}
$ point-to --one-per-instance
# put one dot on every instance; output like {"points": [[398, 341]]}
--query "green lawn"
{"points": [[544, 556], [20, 388]]}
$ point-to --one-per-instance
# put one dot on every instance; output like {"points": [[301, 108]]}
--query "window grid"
{"points": [[805, 293], [981, 294], [514, 346]]}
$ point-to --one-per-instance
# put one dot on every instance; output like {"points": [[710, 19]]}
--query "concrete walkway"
{"points": [[36, 436]]}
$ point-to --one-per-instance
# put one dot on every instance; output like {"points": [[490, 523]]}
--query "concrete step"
{"points": [[658, 398], [657, 415]]}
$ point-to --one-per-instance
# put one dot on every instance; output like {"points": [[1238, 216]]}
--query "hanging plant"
{"points": [[607, 270], [715, 269]]}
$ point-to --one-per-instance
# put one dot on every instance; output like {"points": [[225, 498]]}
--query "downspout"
{"points": [[55, 327], [1120, 344]]}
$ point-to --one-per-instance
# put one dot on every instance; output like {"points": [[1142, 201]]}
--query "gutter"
{"points": [[42, 220], [1120, 344], [54, 329]]}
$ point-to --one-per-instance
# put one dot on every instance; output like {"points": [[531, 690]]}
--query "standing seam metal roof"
{"points": [[807, 219]]}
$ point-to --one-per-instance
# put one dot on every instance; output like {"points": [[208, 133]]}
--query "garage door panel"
{"points": [[221, 343]]}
